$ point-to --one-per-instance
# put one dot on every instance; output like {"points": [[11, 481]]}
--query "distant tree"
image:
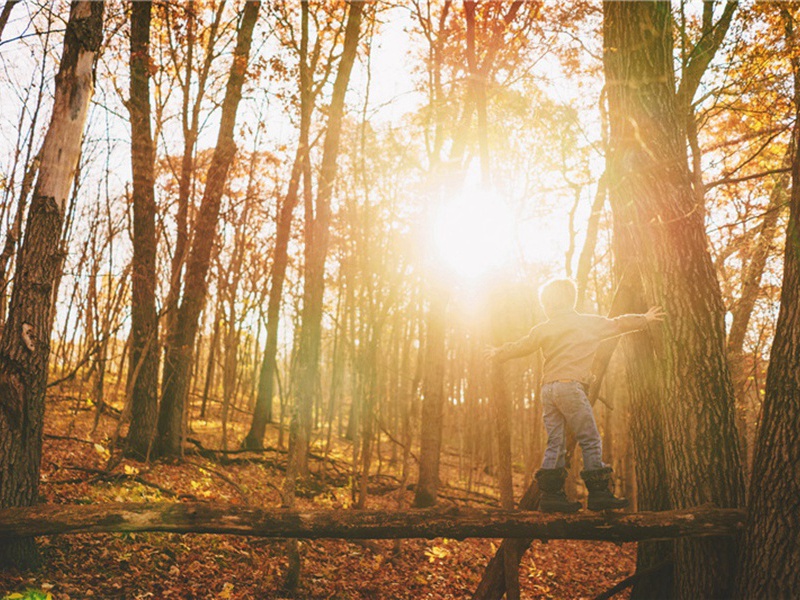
{"points": [[262, 413], [305, 374], [180, 348], [25, 341]]}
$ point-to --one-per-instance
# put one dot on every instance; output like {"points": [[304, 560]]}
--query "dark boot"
{"points": [[598, 482], [553, 498]]}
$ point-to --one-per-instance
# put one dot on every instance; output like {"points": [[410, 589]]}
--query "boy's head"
{"points": [[557, 295]]}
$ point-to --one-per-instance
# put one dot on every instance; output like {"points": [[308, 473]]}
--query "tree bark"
{"points": [[197, 517], [144, 356], [25, 342], [771, 548], [653, 200], [179, 355], [6, 13]]}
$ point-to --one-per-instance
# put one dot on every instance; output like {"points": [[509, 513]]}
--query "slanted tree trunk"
{"points": [[25, 341], [771, 548], [143, 366], [262, 414], [306, 367], [190, 121], [179, 355], [654, 202]]}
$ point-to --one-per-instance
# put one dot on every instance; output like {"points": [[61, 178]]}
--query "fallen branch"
{"points": [[223, 477], [353, 524], [101, 475]]}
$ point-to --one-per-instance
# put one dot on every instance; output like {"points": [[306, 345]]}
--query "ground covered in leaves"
{"points": [[75, 469]]}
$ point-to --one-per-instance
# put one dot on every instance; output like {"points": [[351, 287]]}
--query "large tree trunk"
{"points": [[179, 356], [647, 433], [771, 548], [653, 200], [204, 517], [306, 369], [25, 342], [143, 366], [262, 413]]}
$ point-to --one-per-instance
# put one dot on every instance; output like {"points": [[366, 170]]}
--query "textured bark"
{"points": [[143, 366], [653, 200], [771, 548], [646, 401], [25, 342], [366, 524], [179, 356], [262, 413], [306, 369]]}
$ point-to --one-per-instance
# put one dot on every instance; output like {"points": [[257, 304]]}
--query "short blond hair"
{"points": [[557, 294]]}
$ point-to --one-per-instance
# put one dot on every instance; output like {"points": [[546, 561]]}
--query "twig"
{"points": [[114, 477], [52, 436], [224, 478]]}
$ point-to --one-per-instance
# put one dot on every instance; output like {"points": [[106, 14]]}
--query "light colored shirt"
{"points": [[568, 340]]}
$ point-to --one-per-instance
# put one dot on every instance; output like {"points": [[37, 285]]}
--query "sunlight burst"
{"points": [[473, 234]]}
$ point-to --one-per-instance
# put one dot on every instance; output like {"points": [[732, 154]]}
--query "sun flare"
{"points": [[473, 234]]}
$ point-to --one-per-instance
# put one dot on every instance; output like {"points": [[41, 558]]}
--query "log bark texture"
{"points": [[455, 523]]}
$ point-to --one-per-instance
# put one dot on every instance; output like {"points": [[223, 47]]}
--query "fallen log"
{"points": [[458, 523]]}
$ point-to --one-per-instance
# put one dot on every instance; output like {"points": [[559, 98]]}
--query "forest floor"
{"points": [[138, 566]]}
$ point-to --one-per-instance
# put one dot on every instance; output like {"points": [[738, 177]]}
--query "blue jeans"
{"points": [[564, 403]]}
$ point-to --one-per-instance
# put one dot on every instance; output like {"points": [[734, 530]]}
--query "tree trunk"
{"points": [[433, 399], [25, 342], [262, 414], [653, 201], [206, 517], [306, 368], [179, 355], [771, 548], [190, 123], [144, 357]]}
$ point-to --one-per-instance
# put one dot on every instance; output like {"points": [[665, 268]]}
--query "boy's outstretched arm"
{"points": [[634, 322], [523, 346]]}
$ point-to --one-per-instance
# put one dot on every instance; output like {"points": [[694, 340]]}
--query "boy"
{"points": [[568, 340]]}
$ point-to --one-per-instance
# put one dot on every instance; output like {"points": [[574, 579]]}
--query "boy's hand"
{"points": [[655, 315], [491, 354]]}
